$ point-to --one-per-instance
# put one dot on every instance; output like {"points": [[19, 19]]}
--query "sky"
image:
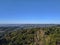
{"points": [[29, 11]]}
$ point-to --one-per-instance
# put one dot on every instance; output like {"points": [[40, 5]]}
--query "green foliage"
{"points": [[33, 36]]}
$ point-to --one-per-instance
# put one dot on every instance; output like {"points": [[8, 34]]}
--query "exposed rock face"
{"points": [[58, 43], [39, 37]]}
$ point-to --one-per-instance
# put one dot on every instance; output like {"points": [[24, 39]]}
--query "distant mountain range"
{"points": [[28, 25]]}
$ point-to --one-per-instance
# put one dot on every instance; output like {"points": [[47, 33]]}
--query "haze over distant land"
{"points": [[29, 11]]}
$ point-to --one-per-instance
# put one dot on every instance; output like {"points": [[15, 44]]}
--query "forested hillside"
{"points": [[31, 36]]}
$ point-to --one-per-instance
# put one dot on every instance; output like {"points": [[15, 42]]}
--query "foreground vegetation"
{"points": [[32, 36]]}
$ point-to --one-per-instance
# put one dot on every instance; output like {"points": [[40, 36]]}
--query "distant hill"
{"points": [[28, 25]]}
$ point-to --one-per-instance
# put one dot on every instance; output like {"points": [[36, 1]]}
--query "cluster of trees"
{"points": [[32, 36]]}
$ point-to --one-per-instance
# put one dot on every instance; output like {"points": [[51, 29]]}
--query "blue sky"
{"points": [[29, 11]]}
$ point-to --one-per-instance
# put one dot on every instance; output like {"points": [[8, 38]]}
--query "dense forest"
{"points": [[30, 36]]}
